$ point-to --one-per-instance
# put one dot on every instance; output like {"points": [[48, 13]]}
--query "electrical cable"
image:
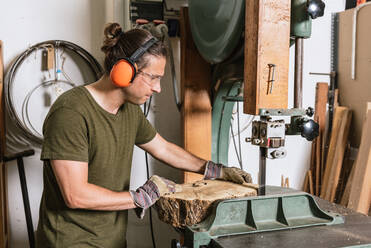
{"points": [[239, 133], [92, 63], [146, 109], [235, 146]]}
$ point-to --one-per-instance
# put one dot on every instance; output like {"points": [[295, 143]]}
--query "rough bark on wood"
{"points": [[194, 203]]}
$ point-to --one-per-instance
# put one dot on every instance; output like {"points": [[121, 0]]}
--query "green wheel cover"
{"points": [[216, 27]]}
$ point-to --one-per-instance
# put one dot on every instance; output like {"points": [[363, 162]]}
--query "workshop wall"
{"points": [[24, 23]]}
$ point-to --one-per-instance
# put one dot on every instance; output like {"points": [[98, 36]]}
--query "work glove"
{"points": [[146, 195], [231, 174]]}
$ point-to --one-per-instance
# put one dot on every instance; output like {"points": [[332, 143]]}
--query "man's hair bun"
{"points": [[112, 34]]}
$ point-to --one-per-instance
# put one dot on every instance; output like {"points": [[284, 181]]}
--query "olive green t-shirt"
{"points": [[77, 128]]}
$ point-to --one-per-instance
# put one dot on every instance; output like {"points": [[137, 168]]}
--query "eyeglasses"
{"points": [[152, 78]]}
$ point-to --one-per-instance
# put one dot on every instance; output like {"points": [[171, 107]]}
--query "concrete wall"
{"points": [[24, 23]]}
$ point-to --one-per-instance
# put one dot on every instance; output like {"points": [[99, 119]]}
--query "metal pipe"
{"points": [[262, 165], [26, 202], [298, 78], [262, 170]]}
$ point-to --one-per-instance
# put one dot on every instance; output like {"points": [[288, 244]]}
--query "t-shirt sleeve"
{"points": [[65, 136], [146, 132]]}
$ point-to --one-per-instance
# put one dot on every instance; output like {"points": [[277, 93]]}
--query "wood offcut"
{"points": [[195, 202]]}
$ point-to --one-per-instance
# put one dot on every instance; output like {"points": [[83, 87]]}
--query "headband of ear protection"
{"points": [[125, 69]]}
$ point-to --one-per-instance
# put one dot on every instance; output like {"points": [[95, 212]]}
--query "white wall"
{"points": [[24, 23]]}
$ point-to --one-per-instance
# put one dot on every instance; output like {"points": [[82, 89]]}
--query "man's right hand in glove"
{"points": [[146, 195]]}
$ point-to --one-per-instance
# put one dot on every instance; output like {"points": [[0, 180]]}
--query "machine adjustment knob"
{"points": [[309, 129], [278, 153], [316, 8], [309, 111]]}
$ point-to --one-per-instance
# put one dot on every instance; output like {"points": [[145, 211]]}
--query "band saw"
{"points": [[278, 217]]}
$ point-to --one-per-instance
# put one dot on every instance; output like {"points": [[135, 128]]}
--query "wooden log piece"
{"points": [[194, 203]]}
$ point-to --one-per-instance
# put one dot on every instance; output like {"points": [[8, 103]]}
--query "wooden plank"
{"points": [[305, 186], [195, 88], [345, 197], [3, 173], [263, 47], [320, 115], [310, 179], [340, 131], [354, 93], [360, 193], [339, 154], [338, 114]]}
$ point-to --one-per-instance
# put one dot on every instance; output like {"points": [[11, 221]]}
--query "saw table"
{"points": [[282, 218]]}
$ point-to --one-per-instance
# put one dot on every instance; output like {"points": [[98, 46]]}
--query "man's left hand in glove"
{"points": [[220, 171]]}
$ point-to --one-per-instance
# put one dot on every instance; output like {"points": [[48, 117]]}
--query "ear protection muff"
{"points": [[125, 69]]}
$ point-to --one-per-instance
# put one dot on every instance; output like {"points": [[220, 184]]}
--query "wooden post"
{"points": [[267, 42], [3, 181], [196, 104]]}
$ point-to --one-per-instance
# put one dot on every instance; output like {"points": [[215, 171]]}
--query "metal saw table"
{"points": [[353, 230]]}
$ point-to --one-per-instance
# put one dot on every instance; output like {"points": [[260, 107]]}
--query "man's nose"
{"points": [[157, 87]]}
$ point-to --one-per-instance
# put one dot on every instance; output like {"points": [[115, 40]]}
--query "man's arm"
{"points": [[174, 155], [179, 158], [72, 178]]}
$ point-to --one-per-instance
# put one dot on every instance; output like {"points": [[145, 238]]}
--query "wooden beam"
{"points": [[267, 38], [360, 192], [196, 107]]}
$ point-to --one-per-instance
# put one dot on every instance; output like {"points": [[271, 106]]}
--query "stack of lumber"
{"points": [[330, 176]]}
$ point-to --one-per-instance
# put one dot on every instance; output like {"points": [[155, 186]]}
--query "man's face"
{"points": [[147, 81]]}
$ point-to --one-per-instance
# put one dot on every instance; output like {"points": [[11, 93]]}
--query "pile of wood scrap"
{"points": [[330, 175]]}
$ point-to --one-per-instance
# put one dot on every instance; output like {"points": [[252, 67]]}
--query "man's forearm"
{"points": [[181, 159], [94, 197]]}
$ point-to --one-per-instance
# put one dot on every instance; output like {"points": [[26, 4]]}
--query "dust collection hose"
{"points": [[28, 132]]}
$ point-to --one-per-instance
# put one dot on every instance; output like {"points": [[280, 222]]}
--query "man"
{"points": [[89, 135]]}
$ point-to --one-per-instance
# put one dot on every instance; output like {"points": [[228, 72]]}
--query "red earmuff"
{"points": [[124, 70]]}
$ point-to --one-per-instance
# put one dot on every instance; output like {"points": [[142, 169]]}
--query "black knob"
{"points": [[316, 8], [309, 111], [309, 129]]}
